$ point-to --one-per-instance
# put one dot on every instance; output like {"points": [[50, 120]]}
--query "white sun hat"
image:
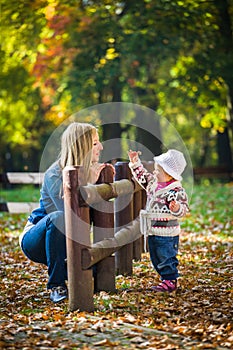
{"points": [[172, 162]]}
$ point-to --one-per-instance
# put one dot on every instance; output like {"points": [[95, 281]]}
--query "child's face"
{"points": [[162, 176]]}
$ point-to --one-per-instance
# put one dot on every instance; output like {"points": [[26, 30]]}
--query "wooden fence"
{"points": [[116, 230], [101, 227]]}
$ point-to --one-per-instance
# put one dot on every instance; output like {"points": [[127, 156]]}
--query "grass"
{"points": [[23, 193], [211, 209]]}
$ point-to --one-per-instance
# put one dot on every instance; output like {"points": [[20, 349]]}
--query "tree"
{"points": [[20, 103], [202, 76], [171, 56]]}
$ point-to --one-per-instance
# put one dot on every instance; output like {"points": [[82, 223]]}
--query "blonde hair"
{"points": [[76, 146]]}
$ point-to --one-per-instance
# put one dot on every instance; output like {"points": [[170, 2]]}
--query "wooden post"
{"points": [[137, 206], [77, 226], [123, 216], [102, 215]]}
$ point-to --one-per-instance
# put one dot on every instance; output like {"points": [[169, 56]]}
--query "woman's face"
{"points": [[97, 148]]}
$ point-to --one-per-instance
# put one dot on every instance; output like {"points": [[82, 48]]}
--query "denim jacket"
{"points": [[51, 194]]}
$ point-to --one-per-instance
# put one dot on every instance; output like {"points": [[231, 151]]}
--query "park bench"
{"points": [[221, 172], [16, 178]]}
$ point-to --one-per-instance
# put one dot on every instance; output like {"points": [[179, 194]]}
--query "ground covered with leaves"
{"points": [[199, 315]]}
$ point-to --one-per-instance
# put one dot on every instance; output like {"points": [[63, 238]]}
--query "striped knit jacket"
{"points": [[157, 218]]}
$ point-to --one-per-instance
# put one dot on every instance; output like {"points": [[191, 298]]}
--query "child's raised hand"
{"points": [[133, 156]]}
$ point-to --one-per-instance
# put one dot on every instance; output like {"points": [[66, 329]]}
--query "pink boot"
{"points": [[165, 286]]}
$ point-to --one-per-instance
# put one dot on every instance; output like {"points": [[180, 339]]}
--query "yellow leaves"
{"points": [[41, 48], [58, 113], [50, 10], [106, 342], [215, 118], [111, 40], [46, 33], [205, 123], [21, 318], [103, 61], [110, 55], [182, 66]]}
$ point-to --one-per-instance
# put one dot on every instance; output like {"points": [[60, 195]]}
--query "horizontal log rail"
{"points": [[92, 194], [106, 247]]}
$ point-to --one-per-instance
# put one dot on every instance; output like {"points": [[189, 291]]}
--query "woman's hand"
{"points": [[112, 167], [96, 169], [134, 156]]}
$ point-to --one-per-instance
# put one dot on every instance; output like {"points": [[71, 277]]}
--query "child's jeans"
{"points": [[163, 251]]}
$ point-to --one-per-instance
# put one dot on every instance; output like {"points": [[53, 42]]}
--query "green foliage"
{"points": [[58, 57], [22, 126], [19, 101]]}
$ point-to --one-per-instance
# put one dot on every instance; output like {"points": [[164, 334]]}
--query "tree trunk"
{"points": [[224, 149], [111, 126], [148, 135]]}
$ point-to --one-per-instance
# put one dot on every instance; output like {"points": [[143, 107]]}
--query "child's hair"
{"points": [[76, 145]]}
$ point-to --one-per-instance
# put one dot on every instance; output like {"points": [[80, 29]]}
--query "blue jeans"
{"points": [[45, 243], [163, 251]]}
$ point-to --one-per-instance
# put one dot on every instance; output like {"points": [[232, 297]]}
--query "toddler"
{"points": [[166, 202]]}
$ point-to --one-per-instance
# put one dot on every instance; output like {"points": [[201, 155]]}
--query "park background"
{"points": [[59, 57]]}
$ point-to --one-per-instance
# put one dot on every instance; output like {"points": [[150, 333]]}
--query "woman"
{"points": [[43, 239]]}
